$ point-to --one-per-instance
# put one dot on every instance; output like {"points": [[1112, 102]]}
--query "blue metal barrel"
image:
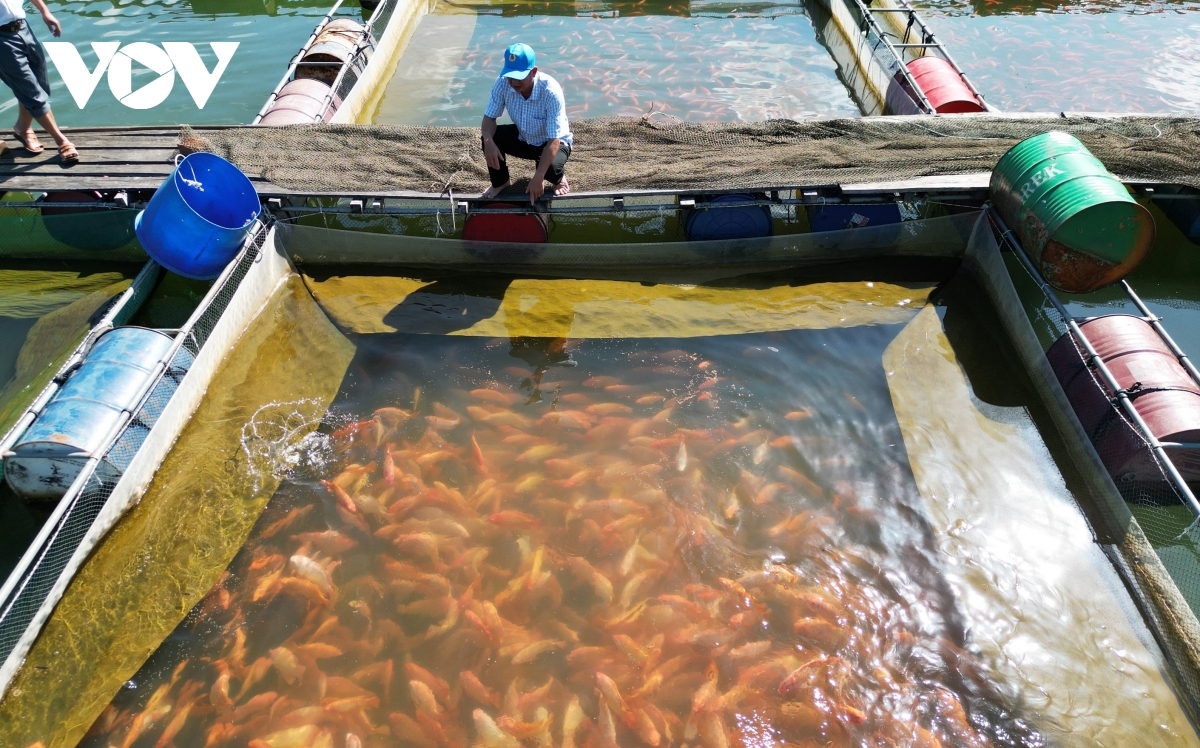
{"points": [[82, 416]]}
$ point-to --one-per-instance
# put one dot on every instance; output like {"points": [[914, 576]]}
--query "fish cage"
{"points": [[118, 469], [892, 61], [336, 73], [834, 374]]}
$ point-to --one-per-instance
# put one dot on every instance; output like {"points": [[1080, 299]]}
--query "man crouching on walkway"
{"points": [[535, 102]]}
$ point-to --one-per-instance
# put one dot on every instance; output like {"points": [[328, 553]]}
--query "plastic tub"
{"points": [[199, 218]]}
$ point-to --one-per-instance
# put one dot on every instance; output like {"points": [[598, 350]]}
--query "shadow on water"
{"points": [[447, 305], [21, 521]]}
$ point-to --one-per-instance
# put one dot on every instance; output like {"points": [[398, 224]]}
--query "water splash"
{"points": [[281, 441]]}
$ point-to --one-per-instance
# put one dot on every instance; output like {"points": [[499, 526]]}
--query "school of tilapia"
{"points": [[603, 574]]}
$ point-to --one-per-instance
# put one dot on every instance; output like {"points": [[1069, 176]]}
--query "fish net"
{"points": [[654, 152], [942, 237], [1142, 524]]}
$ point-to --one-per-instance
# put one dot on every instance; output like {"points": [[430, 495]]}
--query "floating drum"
{"points": [[337, 43], [84, 415], [1076, 221], [742, 222], [485, 226], [302, 102], [91, 229], [943, 86], [1163, 394], [839, 216]]}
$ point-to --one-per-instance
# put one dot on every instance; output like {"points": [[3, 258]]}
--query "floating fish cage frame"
{"points": [[119, 313], [117, 474], [376, 46], [1121, 398], [873, 43]]}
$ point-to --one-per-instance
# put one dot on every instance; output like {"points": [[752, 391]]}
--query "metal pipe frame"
{"points": [[18, 578], [1156, 322], [366, 40], [287, 76], [869, 20], [1092, 358], [927, 33]]}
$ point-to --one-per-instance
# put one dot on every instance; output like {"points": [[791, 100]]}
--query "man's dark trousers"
{"points": [[510, 144]]}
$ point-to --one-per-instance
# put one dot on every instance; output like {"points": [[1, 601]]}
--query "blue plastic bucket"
{"points": [[199, 218]]}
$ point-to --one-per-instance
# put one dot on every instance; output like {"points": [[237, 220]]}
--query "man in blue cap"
{"points": [[539, 131]]}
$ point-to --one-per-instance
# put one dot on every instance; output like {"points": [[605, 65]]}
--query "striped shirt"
{"points": [[11, 10], [540, 117]]}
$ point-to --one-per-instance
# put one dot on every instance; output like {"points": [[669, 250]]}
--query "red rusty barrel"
{"points": [[485, 226], [299, 103], [946, 90], [1163, 394], [338, 43]]}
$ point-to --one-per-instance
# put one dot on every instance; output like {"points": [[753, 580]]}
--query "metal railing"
{"points": [[867, 25], [29, 595], [348, 70], [928, 41], [1120, 395]]}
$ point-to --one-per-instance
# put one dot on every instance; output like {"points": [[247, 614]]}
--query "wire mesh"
{"points": [[92, 489]]}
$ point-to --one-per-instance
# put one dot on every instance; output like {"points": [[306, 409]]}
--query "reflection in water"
{"points": [[737, 64], [698, 540]]}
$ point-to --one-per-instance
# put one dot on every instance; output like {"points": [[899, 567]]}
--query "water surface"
{"points": [[1092, 56], [712, 539], [718, 64], [268, 33]]}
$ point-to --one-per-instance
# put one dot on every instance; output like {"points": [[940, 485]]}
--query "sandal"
{"points": [[68, 154], [29, 141]]}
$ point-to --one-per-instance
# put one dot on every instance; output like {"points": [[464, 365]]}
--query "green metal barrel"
{"points": [[1075, 219]]}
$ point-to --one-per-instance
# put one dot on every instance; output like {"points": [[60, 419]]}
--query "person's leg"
{"points": [[505, 138], [556, 174], [49, 125], [23, 69]]}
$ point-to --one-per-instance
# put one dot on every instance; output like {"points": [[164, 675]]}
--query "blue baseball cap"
{"points": [[519, 59]]}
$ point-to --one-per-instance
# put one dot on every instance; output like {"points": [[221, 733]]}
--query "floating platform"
{"points": [[897, 153]]}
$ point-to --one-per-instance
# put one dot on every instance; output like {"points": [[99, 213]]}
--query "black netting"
{"points": [[658, 153]]}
